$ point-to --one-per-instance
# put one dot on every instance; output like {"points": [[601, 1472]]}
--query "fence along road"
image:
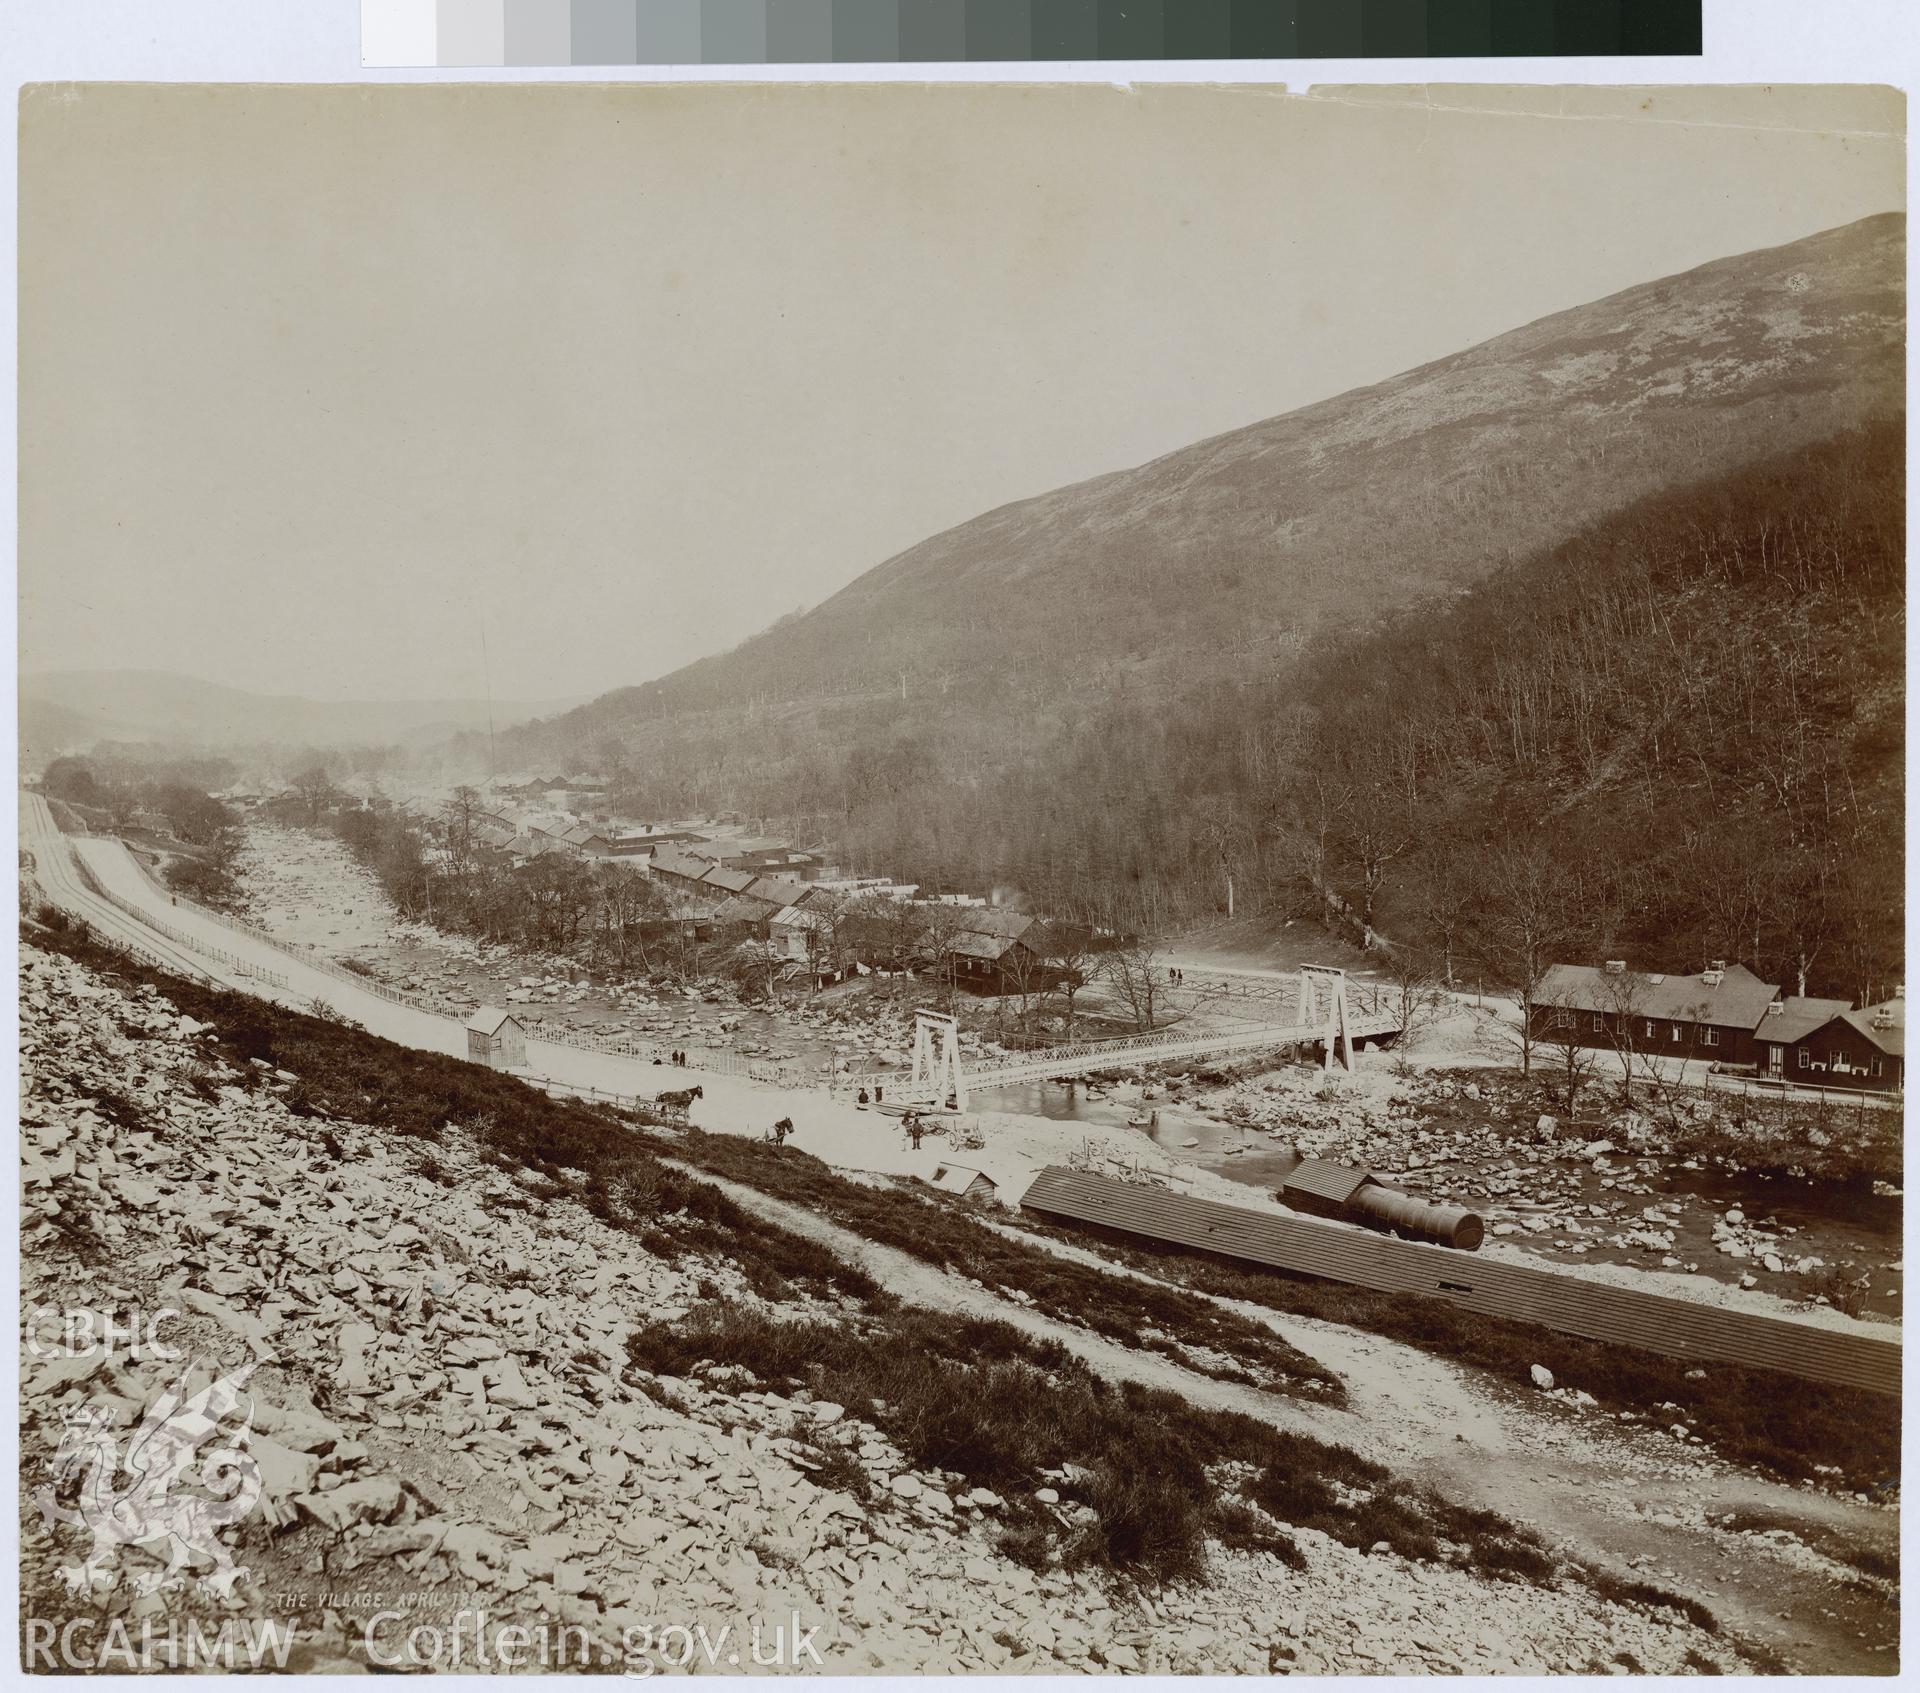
{"points": [[258, 962], [1679, 1328]]}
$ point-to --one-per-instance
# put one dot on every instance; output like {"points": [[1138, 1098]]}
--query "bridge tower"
{"points": [[1335, 1029], [936, 1059]]}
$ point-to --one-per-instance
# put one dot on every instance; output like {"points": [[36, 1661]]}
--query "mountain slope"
{"points": [[69, 710], [1092, 694], [1402, 489]]}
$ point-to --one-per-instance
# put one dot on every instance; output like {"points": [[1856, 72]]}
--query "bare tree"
{"points": [[1529, 917], [1026, 972], [1138, 977], [459, 815], [1574, 1062], [1224, 835], [1623, 999], [1069, 949], [316, 791], [1414, 990]]}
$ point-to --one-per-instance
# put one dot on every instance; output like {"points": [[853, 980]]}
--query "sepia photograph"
{"points": [[973, 878]]}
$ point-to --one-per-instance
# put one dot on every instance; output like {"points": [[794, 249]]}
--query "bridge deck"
{"points": [[1125, 1054], [1679, 1328]]}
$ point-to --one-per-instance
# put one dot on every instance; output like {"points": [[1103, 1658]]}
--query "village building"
{"points": [[1827, 1043], [989, 947], [495, 1037], [676, 866], [586, 841], [1710, 1015], [761, 858], [797, 932]]}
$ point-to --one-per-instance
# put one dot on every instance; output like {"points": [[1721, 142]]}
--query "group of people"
{"points": [[1176, 976], [879, 1093], [677, 1059]]}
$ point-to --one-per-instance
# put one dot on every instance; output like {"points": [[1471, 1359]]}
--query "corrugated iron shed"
{"points": [[1323, 1179], [1678, 1328]]}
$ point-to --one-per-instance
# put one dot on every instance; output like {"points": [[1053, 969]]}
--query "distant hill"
{"points": [[1071, 691], [69, 710]]}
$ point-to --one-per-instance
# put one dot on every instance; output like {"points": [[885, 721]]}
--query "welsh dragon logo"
{"points": [[164, 1495]]}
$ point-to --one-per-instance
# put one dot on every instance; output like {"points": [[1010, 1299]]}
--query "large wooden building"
{"points": [[1728, 1016], [1710, 1015]]}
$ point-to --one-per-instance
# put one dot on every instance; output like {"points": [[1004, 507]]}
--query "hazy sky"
{"points": [[314, 381]]}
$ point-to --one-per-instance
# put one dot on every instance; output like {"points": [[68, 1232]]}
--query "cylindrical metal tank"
{"points": [[1415, 1219]]}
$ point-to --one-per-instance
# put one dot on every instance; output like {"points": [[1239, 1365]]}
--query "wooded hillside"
{"points": [[1624, 586]]}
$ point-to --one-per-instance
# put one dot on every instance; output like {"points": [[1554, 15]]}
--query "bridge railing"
{"points": [[1127, 1052]]}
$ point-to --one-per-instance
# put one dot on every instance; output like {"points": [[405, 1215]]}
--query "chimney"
{"points": [[1616, 966], [1719, 966], [1714, 977], [1776, 1008]]}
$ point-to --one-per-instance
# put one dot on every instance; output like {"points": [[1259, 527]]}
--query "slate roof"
{"points": [[971, 944], [668, 862], [1798, 1018], [1737, 1001], [1892, 1039], [994, 920], [957, 1178], [742, 908]]}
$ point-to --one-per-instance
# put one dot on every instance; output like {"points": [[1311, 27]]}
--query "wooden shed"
{"points": [[964, 1180], [1320, 1187], [495, 1037]]}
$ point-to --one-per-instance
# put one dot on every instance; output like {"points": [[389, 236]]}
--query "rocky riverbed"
{"points": [[1607, 1192]]}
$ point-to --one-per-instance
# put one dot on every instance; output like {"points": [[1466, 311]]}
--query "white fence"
{"points": [[301, 955], [239, 966], [714, 1063]]}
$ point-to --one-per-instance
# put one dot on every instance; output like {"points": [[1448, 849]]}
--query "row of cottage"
{"points": [[639, 848], [806, 923], [1728, 1016]]}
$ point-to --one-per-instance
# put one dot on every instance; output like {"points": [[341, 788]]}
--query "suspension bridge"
{"points": [[1320, 1007]]}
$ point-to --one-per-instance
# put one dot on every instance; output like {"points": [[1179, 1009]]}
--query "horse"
{"points": [[676, 1102], [780, 1130]]}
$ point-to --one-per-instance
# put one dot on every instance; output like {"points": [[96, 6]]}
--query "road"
{"points": [[55, 873], [834, 1129]]}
